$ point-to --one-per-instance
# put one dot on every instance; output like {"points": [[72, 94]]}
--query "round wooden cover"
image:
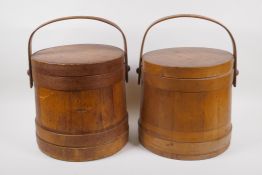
{"points": [[188, 62], [78, 60]]}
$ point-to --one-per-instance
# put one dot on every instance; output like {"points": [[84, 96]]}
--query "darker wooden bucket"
{"points": [[186, 99], [80, 98]]}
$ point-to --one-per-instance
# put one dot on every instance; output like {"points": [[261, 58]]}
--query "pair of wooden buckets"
{"points": [[81, 111]]}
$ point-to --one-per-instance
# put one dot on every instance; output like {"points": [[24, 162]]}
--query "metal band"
{"points": [[78, 83], [83, 140]]}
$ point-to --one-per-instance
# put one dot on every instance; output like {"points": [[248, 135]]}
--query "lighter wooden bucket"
{"points": [[186, 99]]}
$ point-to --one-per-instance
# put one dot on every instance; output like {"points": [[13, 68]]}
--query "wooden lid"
{"points": [[78, 60], [188, 62]]}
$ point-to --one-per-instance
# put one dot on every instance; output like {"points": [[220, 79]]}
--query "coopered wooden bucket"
{"points": [[186, 99], [80, 97]]}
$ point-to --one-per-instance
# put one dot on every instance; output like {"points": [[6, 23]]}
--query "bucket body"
{"points": [[186, 102], [80, 105]]}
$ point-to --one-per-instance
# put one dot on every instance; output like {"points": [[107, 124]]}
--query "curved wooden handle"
{"points": [[69, 18], [189, 16]]}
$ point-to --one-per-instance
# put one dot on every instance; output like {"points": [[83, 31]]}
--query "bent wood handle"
{"points": [[29, 72], [138, 70]]}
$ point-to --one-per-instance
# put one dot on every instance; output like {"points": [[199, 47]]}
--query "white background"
{"points": [[18, 150]]}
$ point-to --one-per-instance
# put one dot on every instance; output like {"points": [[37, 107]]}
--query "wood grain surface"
{"points": [[80, 101], [186, 102]]}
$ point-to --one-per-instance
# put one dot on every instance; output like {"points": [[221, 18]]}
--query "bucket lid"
{"points": [[78, 60], [188, 62]]}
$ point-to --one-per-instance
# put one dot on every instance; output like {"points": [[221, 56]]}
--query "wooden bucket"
{"points": [[186, 99], [80, 98]]}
